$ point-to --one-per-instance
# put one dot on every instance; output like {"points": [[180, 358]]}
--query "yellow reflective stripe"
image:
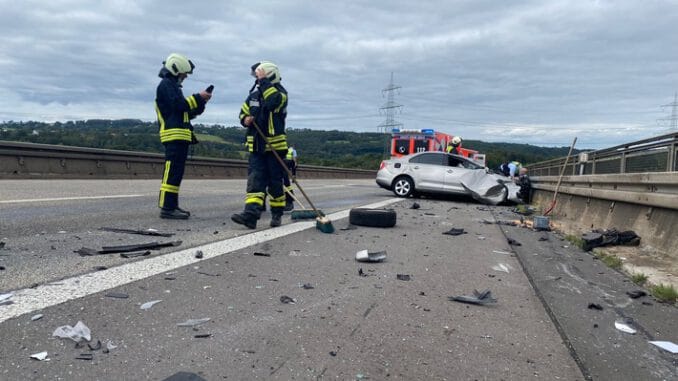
{"points": [[175, 134], [277, 138], [245, 108], [161, 199], [284, 100], [278, 204], [160, 118], [192, 103], [255, 198], [186, 117], [271, 128], [269, 92], [169, 188], [289, 188], [250, 138]]}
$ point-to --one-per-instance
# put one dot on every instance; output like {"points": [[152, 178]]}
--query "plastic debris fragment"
{"points": [[152, 232], [261, 254], [513, 242], [36, 317], [307, 286], [595, 306], [148, 305], [117, 295], [184, 376], [455, 231], [94, 347], [85, 356], [193, 322], [42, 356], [666, 345], [624, 327], [6, 297], [137, 254], [415, 206], [405, 277], [502, 267], [79, 332], [365, 256], [636, 294], [287, 300], [480, 298], [199, 254]]}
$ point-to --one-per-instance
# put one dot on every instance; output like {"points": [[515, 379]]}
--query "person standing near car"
{"points": [[266, 109], [525, 192], [174, 112]]}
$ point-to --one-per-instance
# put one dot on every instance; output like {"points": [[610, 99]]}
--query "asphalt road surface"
{"points": [[345, 327]]}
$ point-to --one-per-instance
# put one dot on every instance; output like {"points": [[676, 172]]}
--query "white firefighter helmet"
{"points": [[271, 70], [178, 64], [456, 141]]}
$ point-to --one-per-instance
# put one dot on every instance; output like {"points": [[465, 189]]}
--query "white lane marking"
{"points": [[69, 198], [33, 299]]}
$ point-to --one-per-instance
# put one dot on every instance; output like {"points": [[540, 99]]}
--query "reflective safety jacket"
{"points": [[174, 111], [267, 103]]}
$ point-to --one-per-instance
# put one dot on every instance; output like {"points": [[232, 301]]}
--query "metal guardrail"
{"points": [[29, 160], [651, 189], [657, 154]]}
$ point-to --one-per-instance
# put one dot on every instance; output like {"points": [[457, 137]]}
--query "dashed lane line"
{"points": [[32, 299]]}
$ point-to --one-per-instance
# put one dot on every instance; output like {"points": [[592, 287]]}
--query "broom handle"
{"points": [[289, 173], [562, 172], [295, 199]]}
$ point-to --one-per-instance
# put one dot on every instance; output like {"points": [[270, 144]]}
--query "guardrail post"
{"points": [[622, 165], [671, 162]]}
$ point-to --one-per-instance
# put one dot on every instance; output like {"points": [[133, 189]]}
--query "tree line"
{"points": [[346, 149]]}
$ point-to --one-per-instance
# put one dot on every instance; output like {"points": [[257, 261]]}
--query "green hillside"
{"points": [[327, 148]]}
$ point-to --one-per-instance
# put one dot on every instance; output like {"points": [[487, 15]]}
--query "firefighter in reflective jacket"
{"points": [[454, 145], [174, 113], [265, 106]]}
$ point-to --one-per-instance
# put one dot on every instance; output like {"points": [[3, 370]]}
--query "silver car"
{"points": [[443, 173]]}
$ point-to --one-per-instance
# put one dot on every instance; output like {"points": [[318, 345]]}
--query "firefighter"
{"points": [[265, 107], [454, 146], [291, 163], [174, 113]]}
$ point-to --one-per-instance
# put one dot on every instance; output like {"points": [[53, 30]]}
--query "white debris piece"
{"points": [[42, 356], [624, 327], [502, 267], [148, 305], [666, 345], [193, 322], [77, 333], [36, 317], [6, 297]]}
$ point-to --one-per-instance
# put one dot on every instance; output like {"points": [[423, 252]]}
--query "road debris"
{"points": [[349, 227], [193, 322], [624, 327], [502, 267], [513, 242], [666, 345], [543, 238], [360, 272], [109, 347], [184, 376], [137, 254], [480, 298], [502, 252], [636, 294], [404, 277], [202, 335], [2, 244], [208, 274], [199, 254], [287, 300], [261, 254], [415, 206], [36, 317], [307, 286], [455, 231], [42, 356], [595, 306], [117, 295], [94, 347], [148, 305], [5, 298], [79, 332], [598, 238], [85, 356], [365, 256], [86, 251], [151, 232]]}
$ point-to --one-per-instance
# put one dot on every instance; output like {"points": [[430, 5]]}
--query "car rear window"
{"points": [[430, 158]]}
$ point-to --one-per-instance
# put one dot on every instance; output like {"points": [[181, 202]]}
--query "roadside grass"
{"points": [[639, 278], [664, 293], [575, 241], [611, 261], [210, 138]]}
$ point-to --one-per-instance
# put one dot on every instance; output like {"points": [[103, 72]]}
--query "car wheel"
{"points": [[379, 218], [403, 186]]}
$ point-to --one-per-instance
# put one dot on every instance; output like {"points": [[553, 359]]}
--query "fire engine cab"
{"points": [[405, 142]]}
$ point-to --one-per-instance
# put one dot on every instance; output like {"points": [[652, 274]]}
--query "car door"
{"points": [[455, 170], [428, 171]]}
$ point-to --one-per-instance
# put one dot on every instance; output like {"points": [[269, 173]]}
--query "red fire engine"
{"points": [[405, 142]]}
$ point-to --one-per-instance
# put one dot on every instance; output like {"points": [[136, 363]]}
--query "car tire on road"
{"points": [[378, 218], [403, 186]]}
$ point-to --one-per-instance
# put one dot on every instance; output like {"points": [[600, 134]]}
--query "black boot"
{"points": [[183, 211], [173, 214], [276, 220], [245, 219]]}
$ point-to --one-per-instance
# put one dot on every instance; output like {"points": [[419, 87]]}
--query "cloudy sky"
{"points": [[540, 72]]}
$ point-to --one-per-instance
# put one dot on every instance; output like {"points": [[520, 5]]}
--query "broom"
{"points": [[322, 223], [560, 178], [303, 214]]}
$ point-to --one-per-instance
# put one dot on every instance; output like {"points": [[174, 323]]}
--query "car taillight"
{"points": [[382, 165]]}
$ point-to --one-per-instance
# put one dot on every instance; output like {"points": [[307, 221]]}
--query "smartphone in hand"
{"points": [[209, 89]]}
